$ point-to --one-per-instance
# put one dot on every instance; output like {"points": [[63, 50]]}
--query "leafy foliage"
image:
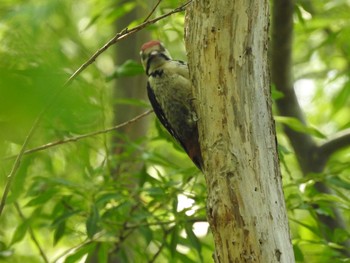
{"points": [[321, 69], [82, 202]]}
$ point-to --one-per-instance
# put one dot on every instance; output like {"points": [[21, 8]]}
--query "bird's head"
{"points": [[153, 55]]}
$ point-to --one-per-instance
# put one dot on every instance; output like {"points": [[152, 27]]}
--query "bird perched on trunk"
{"points": [[169, 91]]}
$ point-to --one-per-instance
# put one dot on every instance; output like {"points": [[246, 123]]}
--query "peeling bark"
{"points": [[227, 53]]}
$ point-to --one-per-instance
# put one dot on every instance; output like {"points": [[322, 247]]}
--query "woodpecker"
{"points": [[169, 91]]}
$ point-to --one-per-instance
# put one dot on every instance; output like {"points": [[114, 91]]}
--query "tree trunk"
{"points": [[227, 52]]}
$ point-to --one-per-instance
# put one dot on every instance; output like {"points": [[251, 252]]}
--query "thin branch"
{"points": [[121, 35], [161, 247], [80, 137], [124, 232], [16, 164], [336, 143], [32, 235], [159, 223], [72, 249], [152, 11]]}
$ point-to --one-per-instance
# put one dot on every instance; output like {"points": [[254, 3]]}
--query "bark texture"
{"points": [[227, 52]]}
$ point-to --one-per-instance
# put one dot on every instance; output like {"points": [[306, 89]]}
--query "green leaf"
{"points": [[336, 246], [59, 232], [20, 232], [91, 222], [19, 182], [183, 258], [175, 205], [341, 99], [339, 182], [143, 176], [156, 192], [64, 182], [41, 198], [174, 240], [276, 94], [328, 198], [128, 69], [340, 235], [313, 229], [64, 217], [108, 197], [194, 241], [146, 233], [298, 253], [80, 252], [298, 126], [298, 11], [103, 253]]}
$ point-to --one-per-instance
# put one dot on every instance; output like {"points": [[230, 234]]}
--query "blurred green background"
{"points": [[132, 195]]}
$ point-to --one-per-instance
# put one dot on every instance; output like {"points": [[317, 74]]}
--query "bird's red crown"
{"points": [[150, 44]]}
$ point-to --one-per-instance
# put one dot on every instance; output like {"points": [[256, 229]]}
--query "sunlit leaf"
{"points": [[276, 94], [296, 125], [128, 69], [20, 232], [342, 98], [80, 252], [313, 229], [59, 232]]}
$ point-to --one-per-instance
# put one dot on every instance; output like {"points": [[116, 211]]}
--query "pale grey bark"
{"points": [[227, 52]]}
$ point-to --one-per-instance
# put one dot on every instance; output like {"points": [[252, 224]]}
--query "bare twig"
{"points": [[121, 35], [72, 249], [80, 137], [152, 11], [159, 223], [161, 247], [32, 235]]}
